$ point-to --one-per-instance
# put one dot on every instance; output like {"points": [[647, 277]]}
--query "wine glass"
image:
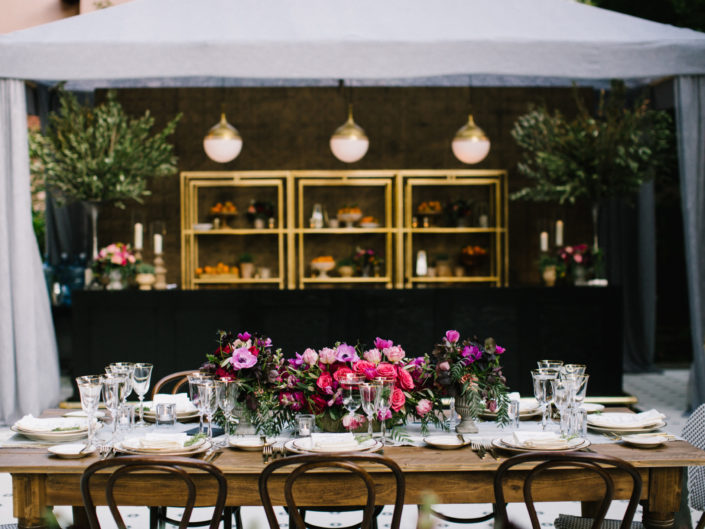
{"points": [[208, 402], [385, 386], [113, 387], [193, 380], [140, 383], [351, 394], [90, 387], [126, 369], [543, 391], [573, 369], [550, 364], [227, 392], [368, 399], [563, 393]]}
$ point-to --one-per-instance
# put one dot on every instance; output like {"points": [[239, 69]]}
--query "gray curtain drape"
{"points": [[29, 365], [690, 120]]}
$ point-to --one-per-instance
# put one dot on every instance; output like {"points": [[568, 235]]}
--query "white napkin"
{"points": [[629, 420], [334, 442], [34, 424], [183, 404], [528, 404], [539, 440], [163, 441]]}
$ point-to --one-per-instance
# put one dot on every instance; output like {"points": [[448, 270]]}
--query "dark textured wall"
{"points": [[289, 128]]}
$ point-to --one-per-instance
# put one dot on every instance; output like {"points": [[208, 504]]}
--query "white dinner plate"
{"points": [[71, 451], [445, 442], [508, 443], [305, 444], [81, 413], [591, 407], [622, 420], [371, 445], [52, 437], [250, 444], [616, 430], [128, 447], [646, 441]]}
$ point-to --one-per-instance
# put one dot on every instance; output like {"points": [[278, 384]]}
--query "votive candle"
{"points": [[138, 235], [544, 241], [157, 243], [559, 233]]}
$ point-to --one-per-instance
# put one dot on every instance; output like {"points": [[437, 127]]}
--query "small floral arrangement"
{"points": [[472, 370], [366, 262], [117, 256], [314, 383], [259, 209], [458, 211], [574, 257], [251, 361]]}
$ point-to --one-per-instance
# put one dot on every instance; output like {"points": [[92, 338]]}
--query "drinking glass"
{"points": [[580, 387], [452, 414], [90, 387], [514, 413], [126, 369], [550, 364], [227, 392], [384, 387], [351, 394], [563, 398], [193, 380], [368, 399], [113, 386], [165, 414], [305, 423], [543, 391], [140, 383], [574, 369], [208, 402]]}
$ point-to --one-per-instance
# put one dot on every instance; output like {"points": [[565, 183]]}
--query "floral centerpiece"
{"points": [[115, 263], [314, 384], [256, 366], [470, 371], [579, 261]]}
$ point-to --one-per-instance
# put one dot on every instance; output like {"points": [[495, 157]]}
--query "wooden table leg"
{"points": [[80, 518], [665, 486], [29, 500]]}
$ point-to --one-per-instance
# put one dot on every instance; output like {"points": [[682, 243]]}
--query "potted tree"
{"points": [[99, 155], [592, 158]]}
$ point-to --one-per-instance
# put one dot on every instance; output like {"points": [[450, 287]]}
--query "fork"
{"points": [[267, 452], [489, 447], [105, 451], [476, 446]]}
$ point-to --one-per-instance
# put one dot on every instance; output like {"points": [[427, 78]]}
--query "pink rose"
{"points": [[423, 407], [363, 367], [578, 258], [373, 355], [352, 422], [394, 354], [116, 259], [342, 373], [397, 399], [404, 379], [444, 366], [385, 370], [325, 383], [309, 357], [327, 355], [452, 336], [382, 344]]}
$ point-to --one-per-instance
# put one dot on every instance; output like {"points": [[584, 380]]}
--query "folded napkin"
{"points": [[528, 404], [54, 424], [163, 441], [334, 442], [183, 404], [628, 420], [540, 440]]}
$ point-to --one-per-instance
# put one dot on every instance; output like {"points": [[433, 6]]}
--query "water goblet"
{"points": [[113, 386], [543, 391], [90, 388], [550, 364], [385, 389], [368, 399], [140, 383], [351, 395], [193, 380], [227, 392], [563, 398], [573, 369], [208, 402], [126, 369]]}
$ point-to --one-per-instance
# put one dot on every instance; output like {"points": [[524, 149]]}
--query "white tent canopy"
{"points": [[365, 40]]}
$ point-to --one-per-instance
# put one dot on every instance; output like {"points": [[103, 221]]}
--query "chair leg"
{"points": [[228, 518], [701, 522], [238, 518]]}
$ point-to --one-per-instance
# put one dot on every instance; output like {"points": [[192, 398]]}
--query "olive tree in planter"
{"points": [[592, 158], [100, 155]]}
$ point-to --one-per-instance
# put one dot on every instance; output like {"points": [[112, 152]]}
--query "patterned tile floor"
{"points": [[665, 391]]}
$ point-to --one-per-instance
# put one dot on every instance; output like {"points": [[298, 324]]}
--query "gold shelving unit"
{"points": [[392, 196]]}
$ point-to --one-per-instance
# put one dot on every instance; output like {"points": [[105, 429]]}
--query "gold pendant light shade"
{"points": [[349, 143], [470, 144], [223, 142]]}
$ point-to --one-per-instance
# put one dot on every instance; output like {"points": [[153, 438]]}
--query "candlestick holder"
{"points": [[159, 272], [138, 254]]}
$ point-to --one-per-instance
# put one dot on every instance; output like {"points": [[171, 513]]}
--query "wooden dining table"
{"points": [[40, 481]]}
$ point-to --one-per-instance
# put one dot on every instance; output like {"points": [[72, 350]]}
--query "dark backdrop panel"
{"points": [[175, 329]]}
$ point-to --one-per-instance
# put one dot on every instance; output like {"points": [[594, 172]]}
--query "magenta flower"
{"points": [[346, 353], [382, 344], [452, 336], [244, 336], [242, 359], [499, 349]]}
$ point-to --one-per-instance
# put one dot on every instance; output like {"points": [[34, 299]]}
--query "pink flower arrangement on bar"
{"points": [[115, 256]]}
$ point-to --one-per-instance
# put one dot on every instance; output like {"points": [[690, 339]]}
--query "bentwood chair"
{"points": [[546, 462], [176, 380], [352, 463], [177, 468]]}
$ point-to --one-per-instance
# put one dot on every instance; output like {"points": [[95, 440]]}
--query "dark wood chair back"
{"points": [[176, 380], [601, 465], [351, 463], [178, 468]]}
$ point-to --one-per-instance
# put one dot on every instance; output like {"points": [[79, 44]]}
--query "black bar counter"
{"points": [[175, 329]]}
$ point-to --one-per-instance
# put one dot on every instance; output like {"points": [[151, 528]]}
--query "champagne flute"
{"points": [[208, 402], [227, 392], [543, 391], [368, 399], [90, 388], [385, 387], [140, 383], [112, 388], [193, 380]]}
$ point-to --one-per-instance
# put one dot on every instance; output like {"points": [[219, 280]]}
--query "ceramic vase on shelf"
{"points": [[115, 280], [467, 423], [247, 270]]}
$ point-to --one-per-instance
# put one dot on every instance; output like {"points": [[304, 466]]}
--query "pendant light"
{"points": [[223, 142], [470, 144], [349, 143]]}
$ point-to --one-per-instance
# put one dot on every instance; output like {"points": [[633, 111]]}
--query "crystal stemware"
{"points": [[90, 388], [140, 383], [126, 369], [351, 395], [113, 386], [543, 391], [563, 393], [227, 392], [368, 399], [573, 369], [193, 380], [208, 402], [550, 364], [385, 388]]}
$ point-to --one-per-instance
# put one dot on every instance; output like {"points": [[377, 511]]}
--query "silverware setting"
{"points": [[106, 451]]}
